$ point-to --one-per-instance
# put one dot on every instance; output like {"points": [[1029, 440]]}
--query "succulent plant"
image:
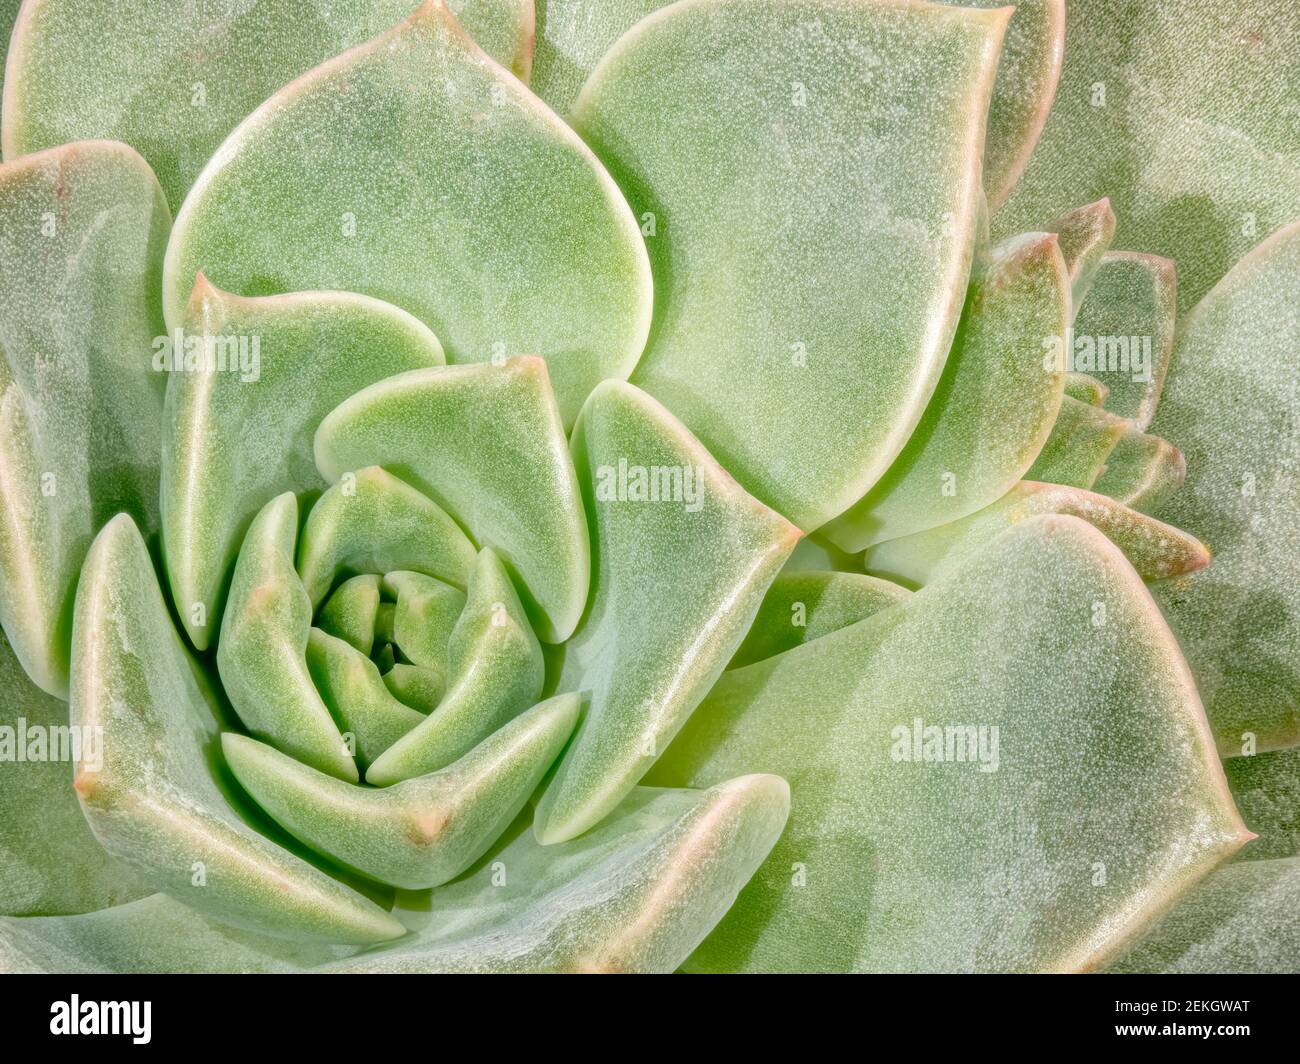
{"points": [[599, 485]]}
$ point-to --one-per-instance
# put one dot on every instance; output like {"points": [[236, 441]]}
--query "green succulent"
{"points": [[599, 485]]}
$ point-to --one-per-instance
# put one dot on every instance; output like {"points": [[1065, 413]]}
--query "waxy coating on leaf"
{"points": [[812, 247], [261, 653], [1124, 331], [372, 522], [1266, 788], [49, 860], [172, 77], [420, 832], [1241, 920], [1230, 401], [82, 230], [244, 396], [1101, 757], [1142, 471], [802, 606], [683, 558], [414, 169], [993, 408], [1183, 114], [495, 670], [635, 894], [1085, 388], [487, 443], [154, 802], [1156, 550], [1085, 234]]}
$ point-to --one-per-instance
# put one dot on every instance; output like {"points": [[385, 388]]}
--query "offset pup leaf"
{"points": [[1184, 116], [371, 522], [993, 409], [1079, 444], [244, 396], [1231, 401], [1142, 471], [814, 244], [82, 230], [49, 860], [172, 78], [802, 606], [1156, 550], [1240, 920], [487, 443], [414, 169], [683, 559], [153, 802], [496, 671], [263, 642], [888, 725], [635, 894], [421, 832], [1127, 324]]}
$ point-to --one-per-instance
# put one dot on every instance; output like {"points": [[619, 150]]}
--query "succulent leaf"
{"points": [[839, 270], [1080, 441], [82, 228], [840, 717], [1230, 401], [1142, 471], [488, 444], [414, 169], [1266, 788], [154, 802], [995, 389]]}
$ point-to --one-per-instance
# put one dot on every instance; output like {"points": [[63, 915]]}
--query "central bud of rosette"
{"points": [[404, 616]]}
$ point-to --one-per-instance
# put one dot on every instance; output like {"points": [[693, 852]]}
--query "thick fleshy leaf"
{"points": [[1085, 233], [1086, 389], [488, 444], [1266, 788], [683, 559], [994, 407], [1142, 471], [921, 838], [424, 617], [172, 78], [1079, 444], [154, 934], [496, 672], [372, 522], [802, 606], [1231, 402], [82, 230], [260, 655], [367, 712], [421, 832], [419, 687], [1184, 115], [1244, 919], [1022, 94], [49, 860], [635, 894], [414, 169], [1124, 331], [153, 802], [572, 35], [240, 432], [1156, 550], [351, 611], [814, 244]]}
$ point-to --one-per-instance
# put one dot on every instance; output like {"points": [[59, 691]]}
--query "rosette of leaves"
{"points": [[605, 486]]}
